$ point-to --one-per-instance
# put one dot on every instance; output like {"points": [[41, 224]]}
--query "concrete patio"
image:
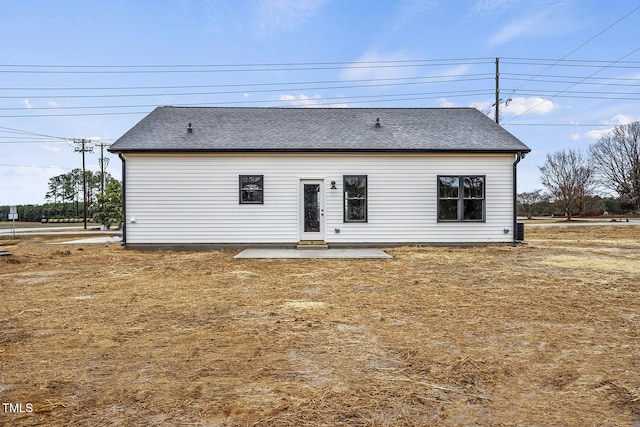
{"points": [[359, 253]]}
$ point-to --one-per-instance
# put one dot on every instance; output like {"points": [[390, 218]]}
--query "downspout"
{"points": [[124, 199], [519, 156]]}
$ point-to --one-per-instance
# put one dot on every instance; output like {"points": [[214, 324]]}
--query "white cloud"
{"points": [[553, 19], [302, 100], [217, 13], [575, 136], [623, 119], [371, 66], [52, 103], [520, 105], [484, 106], [617, 120], [285, 15], [51, 148], [524, 27], [408, 12], [456, 71], [517, 106], [27, 103], [489, 6], [444, 103], [597, 133]]}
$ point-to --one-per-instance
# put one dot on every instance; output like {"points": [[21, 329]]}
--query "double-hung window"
{"points": [[251, 189], [461, 198], [354, 189]]}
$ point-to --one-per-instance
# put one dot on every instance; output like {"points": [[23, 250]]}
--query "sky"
{"points": [[569, 70]]}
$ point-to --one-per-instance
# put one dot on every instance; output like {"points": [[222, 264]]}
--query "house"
{"points": [[205, 177]]}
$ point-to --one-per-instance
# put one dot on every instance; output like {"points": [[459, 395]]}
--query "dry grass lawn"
{"points": [[540, 334]]}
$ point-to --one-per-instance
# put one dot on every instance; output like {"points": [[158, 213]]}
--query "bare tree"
{"points": [[530, 201], [616, 160], [568, 177]]}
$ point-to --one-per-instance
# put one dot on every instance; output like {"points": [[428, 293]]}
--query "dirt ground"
{"points": [[540, 334]]}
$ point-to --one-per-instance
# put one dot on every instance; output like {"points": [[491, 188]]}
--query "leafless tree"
{"points": [[530, 201], [568, 178], [616, 160]]}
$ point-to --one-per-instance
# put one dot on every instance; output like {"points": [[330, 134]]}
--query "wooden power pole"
{"points": [[104, 161], [498, 90], [83, 148]]}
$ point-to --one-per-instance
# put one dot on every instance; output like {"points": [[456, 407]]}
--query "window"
{"points": [[448, 197], [473, 200], [251, 189], [355, 198], [461, 198]]}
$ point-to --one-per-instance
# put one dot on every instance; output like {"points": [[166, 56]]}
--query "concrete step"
{"points": [[311, 246]]}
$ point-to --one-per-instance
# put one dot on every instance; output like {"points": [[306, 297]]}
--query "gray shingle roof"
{"points": [[317, 129]]}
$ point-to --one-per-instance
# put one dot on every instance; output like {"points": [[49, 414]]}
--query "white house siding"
{"points": [[193, 198]]}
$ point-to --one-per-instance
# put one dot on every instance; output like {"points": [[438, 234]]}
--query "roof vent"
{"points": [[378, 123], [189, 129]]}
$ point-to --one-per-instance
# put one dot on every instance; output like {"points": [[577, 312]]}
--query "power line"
{"points": [[556, 76], [634, 66], [127, 95], [25, 142], [565, 62], [24, 138], [537, 80], [575, 84], [321, 85], [242, 84], [40, 141], [24, 132], [561, 124], [445, 78], [533, 92], [583, 95], [264, 64], [482, 76], [309, 66], [75, 114], [357, 99], [34, 166], [163, 69], [470, 92], [582, 45]]}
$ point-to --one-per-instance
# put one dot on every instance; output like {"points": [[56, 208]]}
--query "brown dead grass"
{"points": [[540, 334]]}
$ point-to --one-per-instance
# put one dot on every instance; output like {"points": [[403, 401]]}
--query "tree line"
{"points": [[65, 195], [576, 181], [65, 199]]}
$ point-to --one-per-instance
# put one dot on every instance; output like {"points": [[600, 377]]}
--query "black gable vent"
{"points": [[189, 129], [378, 123]]}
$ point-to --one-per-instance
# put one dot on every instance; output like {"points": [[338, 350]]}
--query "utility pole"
{"points": [[83, 148], [498, 90], [103, 165]]}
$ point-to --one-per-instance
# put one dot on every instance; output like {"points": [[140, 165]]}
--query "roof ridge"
{"points": [[313, 108]]}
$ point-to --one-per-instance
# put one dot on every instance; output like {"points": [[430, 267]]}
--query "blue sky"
{"points": [[88, 69]]}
